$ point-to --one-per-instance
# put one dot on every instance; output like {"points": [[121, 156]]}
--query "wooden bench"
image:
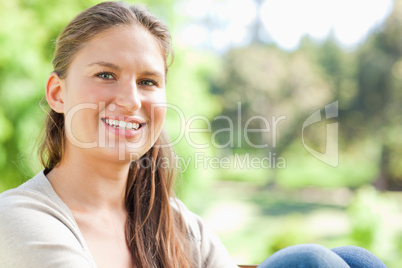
{"points": [[248, 266]]}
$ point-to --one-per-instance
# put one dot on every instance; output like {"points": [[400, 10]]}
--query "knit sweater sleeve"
{"points": [[35, 232], [207, 248]]}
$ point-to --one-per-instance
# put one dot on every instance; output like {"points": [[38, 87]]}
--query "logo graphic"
{"points": [[330, 156]]}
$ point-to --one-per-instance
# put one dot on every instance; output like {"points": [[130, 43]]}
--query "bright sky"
{"points": [[285, 21]]}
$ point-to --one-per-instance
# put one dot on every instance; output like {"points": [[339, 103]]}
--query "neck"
{"points": [[85, 183]]}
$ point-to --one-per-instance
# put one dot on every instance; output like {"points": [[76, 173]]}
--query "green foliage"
{"points": [[287, 236], [373, 227]]}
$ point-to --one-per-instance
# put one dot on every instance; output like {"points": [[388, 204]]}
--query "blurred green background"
{"points": [[258, 208]]}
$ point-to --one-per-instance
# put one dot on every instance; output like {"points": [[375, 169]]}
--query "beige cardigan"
{"points": [[38, 230]]}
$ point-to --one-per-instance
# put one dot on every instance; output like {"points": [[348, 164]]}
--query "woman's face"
{"points": [[114, 94]]}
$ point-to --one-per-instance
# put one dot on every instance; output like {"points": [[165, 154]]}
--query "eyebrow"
{"points": [[105, 64], [114, 66], [153, 74]]}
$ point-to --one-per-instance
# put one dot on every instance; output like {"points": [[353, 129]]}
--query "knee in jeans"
{"points": [[312, 252], [303, 256], [314, 255]]}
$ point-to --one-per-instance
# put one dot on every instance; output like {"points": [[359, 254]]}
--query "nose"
{"points": [[128, 97]]}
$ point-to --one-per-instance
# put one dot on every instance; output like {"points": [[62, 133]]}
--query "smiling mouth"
{"points": [[122, 124]]}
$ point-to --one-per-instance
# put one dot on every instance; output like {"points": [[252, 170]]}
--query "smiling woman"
{"points": [[95, 203], [124, 69]]}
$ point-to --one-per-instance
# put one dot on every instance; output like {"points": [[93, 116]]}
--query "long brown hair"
{"points": [[156, 234]]}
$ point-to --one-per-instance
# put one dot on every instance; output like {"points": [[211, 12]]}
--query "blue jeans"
{"points": [[310, 256]]}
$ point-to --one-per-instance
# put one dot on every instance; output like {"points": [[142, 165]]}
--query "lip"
{"points": [[128, 119]]}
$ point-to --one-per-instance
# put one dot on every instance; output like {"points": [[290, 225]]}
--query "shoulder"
{"points": [[24, 200], [209, 249], [34, 222], [33, 200], [193, 222]]}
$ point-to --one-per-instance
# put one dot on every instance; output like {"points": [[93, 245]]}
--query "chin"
{"points": [[126, 154]]}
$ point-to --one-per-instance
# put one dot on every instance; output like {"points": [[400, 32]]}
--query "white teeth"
{"points": [[122, 124]]}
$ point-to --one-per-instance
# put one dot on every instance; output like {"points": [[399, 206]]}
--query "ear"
{"points": [[54, 90]]}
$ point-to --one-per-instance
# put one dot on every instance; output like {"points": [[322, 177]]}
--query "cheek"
{"points": [[86, 91], [160, 114], [81, 124], [157, 108], [82, 112]]}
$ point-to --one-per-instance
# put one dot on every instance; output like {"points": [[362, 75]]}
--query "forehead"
{"points": [[124, 46]]}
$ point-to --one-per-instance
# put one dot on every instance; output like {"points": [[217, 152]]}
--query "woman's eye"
{"points": [[148, 83], [105, 75]]}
